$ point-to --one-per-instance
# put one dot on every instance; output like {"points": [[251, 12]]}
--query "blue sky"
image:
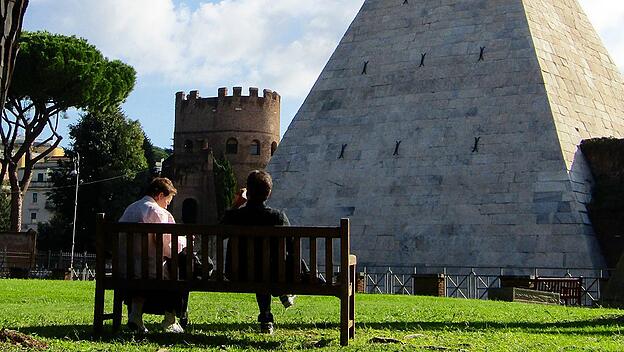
{"points": [[183, 45]]}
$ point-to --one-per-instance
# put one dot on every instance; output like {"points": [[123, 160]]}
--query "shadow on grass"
{"points": [[190, 338], [600, 326], [221, 333]]}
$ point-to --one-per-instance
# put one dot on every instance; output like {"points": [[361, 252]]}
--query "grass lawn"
{"points": [[60, 314]]}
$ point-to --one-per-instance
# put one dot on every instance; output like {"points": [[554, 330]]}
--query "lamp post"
{"points": [[75, 172]]}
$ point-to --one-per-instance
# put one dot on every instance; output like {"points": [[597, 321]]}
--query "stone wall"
{"points": [[436, 128]]}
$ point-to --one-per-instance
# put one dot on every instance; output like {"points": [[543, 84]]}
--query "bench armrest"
{"points": [[352, 259]]}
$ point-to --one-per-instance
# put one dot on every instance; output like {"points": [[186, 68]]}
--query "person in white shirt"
{"points": [[152, 208]]}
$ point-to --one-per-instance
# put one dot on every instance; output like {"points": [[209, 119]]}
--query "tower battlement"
{"points": [[243, 128], [237, 99]]}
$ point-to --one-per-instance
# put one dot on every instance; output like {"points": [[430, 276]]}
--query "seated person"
{"points": [[152, 208], [256, 213]]}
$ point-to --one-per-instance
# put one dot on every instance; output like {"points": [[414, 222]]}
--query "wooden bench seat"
{"points": [[329, 238]]}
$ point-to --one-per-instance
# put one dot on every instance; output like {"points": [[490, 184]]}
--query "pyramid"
{"points": [[448, 132]]}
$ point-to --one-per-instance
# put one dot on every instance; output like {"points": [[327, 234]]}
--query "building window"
{"points": [[188, 146], [231, 146], [254, 149], [39, 177], [273, 148], [33, 216], [35, 196]]}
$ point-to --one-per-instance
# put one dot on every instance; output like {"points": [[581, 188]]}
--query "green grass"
{"points": [[60, 314]]}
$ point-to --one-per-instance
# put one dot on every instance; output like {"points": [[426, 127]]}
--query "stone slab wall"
{"points": [[432, 128]]}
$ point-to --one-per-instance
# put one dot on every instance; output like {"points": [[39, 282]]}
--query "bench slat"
{"points": [[130, 254], [281, 261], [254, 231], [234, 256], [173, 274], [329, 263], [296, 260], [115, 263], [159, 256], [266, 261], [227, 286], [189, 257], [145, 257], [251, 268]]}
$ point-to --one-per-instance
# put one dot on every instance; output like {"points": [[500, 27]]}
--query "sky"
{"points": [[183, 45]]}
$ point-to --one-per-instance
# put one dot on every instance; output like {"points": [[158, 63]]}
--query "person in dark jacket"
{"points": [[256, 213]]}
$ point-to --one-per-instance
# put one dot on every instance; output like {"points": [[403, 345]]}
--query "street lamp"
{"points": [[75, 172]]}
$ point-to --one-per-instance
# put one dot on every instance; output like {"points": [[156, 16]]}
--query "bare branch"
{"points": [[49, 150]]}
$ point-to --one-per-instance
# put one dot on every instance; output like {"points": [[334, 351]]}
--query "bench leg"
{"points": [[344, 320], [98, 314], [352, 303], [347, 311], [117, 309]]}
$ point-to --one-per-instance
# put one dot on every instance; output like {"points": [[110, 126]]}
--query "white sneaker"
{"points": [[174, 328], [169, 324], [287, 300]]}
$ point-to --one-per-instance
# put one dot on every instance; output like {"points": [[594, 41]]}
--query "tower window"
{"points": [[35, 196], [33, 216], [231, 146], [188, 146], [254, 148], [39, 177], [273, 148]]}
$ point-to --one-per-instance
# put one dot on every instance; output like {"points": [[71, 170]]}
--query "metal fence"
{"points": [[459, 282], [475, 282], [54, 265]]}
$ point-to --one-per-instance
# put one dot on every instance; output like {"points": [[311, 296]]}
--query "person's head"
{"points": [[162, 190], [259, 185]]}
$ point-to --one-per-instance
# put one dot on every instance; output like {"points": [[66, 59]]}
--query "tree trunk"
{"points": [[12, 14], [16, 200]]}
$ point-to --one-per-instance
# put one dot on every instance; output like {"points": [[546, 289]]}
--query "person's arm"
{"points": [[240, 198]]}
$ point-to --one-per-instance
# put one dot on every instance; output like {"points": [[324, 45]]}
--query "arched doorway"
{"points": [[189, 211]]}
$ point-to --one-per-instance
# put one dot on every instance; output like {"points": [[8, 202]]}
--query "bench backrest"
{"points": [[18, 249], [570, 288], [319, 243]]}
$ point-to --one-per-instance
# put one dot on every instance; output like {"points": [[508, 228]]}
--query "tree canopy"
{"points": [[113, 172], [61, 71], [53, 73]]}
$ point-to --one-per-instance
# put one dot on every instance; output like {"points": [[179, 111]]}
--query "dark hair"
{"points": [[259, 185], [160, 185]]}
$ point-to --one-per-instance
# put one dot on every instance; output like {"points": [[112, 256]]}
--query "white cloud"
{"points": [[281, 44]]}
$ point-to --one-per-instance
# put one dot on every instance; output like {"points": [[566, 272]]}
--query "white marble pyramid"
{"points": [[448, 132]]}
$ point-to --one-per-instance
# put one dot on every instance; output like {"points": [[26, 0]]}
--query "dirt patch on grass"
{"points": [[18, 339]]}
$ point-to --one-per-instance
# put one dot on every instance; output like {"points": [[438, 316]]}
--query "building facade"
{"points": [[244, 129], [35, 204]]}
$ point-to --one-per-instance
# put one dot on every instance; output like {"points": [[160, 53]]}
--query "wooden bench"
{"points": [[342, 286], [570, 288]]}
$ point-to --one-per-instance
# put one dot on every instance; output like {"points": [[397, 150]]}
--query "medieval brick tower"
{"points": [[243, 128], [448, 132]]}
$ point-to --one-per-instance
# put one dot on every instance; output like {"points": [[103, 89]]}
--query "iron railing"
{"points": [[474, 282]]}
